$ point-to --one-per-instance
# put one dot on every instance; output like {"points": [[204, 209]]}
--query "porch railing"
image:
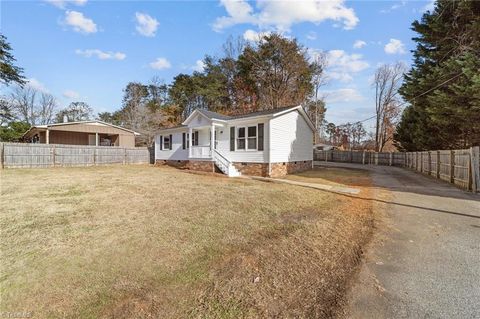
{"points": [[201, 152]]}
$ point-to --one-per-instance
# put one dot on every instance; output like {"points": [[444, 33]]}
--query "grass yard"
{"points": [[140, 241]]}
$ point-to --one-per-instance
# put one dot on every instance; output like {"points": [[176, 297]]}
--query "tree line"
{"points": [[272, 72], [433, 105]]}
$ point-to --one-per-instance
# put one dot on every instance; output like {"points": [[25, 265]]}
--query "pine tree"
{"points": [[8, 71], [443, 86]]}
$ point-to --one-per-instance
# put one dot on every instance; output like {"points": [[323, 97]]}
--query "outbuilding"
{"points": [[96, 133]]}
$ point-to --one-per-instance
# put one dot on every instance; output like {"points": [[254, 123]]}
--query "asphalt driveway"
{"points": [[425, 259]]}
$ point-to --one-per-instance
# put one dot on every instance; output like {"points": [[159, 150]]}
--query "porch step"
{"points": [[228, 170]]}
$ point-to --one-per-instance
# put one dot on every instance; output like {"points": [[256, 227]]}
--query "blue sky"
{"points": [[88, 50]]}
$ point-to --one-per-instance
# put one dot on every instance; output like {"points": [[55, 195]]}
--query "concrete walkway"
{"points": [[425, 259]]}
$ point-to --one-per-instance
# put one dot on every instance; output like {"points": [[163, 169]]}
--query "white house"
{"points": [[267, 143]]}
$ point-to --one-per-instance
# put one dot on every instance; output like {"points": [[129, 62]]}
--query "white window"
{"points": [[247, 138], [166, 142], [241, 138], [252, 138]]}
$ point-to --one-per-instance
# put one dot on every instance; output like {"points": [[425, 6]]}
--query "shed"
{"points": [[96, 133]]}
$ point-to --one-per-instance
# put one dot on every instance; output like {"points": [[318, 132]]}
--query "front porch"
{"points": [[203, 142]]}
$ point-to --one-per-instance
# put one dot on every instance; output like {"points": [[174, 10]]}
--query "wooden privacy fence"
{"points": [[459, 167], [23, 155]]}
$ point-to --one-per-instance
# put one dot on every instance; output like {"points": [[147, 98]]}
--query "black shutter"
{"points": [[232, 138], [171, 141], [183, 140], [195, 134], [260, 137], [161, 142]]}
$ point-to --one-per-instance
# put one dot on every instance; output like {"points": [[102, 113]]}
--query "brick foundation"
{"points": [[203, 166], [282, 169], [253, 169], [276, 169]]}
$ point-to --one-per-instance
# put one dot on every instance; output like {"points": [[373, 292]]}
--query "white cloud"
{"points": [[102, 55], [395, 6], [394, 47], [359, 44], [199, 66], [343, 66], [37, 85], [146, 25], [342, 95], [70, 94], [63, 3], [311, 35], [254, 36], [160, 64], [283, 14], [79, 22]]}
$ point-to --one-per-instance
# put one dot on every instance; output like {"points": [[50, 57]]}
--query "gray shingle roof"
{"points": [[214, 115], [264, 112], [219, 116]]}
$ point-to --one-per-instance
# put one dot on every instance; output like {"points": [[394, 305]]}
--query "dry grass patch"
{"points": [[334, 176], [139, 241]]}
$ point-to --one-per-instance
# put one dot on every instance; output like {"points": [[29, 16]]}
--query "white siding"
{"points": [[291, 138], [176, 153], [247, 156]]}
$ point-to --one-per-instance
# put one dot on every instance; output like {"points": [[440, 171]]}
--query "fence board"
{"points": [[459, 167], [23, 155]]}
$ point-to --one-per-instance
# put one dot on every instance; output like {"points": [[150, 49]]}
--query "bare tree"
{"points": [[388, 79], [76, 111], [46, 108], [31, 106], [316, 108], [23, 102]]}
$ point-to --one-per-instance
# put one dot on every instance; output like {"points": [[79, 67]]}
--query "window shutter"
{"points": [[171, 141], [260, 137], [195, 134], [161, 142], [183, 140], [232, 138]]}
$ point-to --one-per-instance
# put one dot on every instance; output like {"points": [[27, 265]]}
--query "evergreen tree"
{"points": [[8, 71], [443, 86]]}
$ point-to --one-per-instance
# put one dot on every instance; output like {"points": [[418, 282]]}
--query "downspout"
{"points": [[269, 149]]}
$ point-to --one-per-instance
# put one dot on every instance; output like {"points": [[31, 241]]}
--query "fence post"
{"points": [[421, 162], [351, 156], [429, 162], [94, 156], [363, 157], [475, 168], [452, 167], [438, 164], [53, 154], [390, 159], [124, 156], [2, 154]]}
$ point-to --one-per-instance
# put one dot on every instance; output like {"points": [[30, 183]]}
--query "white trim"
{"points": [[246, 137]]}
